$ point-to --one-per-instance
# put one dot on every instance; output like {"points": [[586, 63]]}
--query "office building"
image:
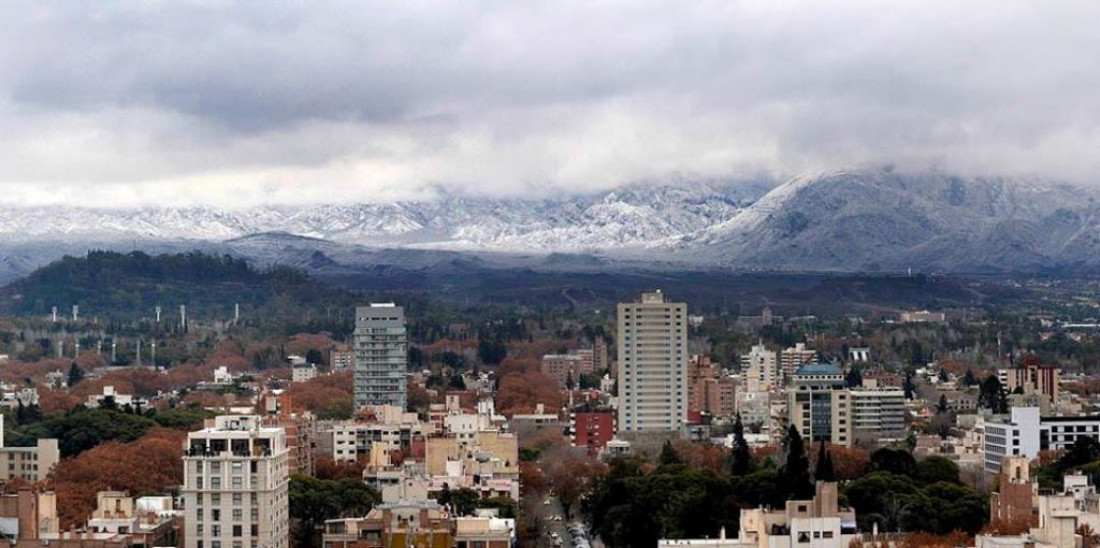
{"points": [[236, 474], [818, 404], [877, 412], [793, 358], [1025, 432], [381, 355], [653, 357], [1032, 378]]}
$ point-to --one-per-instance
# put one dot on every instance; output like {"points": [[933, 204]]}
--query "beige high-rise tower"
{"points": [[235, 485], [653, 358]]}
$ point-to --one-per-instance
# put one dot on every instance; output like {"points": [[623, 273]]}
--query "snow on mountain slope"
{"points": [[623, 218]]}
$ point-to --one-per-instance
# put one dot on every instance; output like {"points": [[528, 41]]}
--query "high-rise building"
{"points": [[793, 358], [653, 358], [235, 478], [381, 355], [761, 369], [819, 406]]}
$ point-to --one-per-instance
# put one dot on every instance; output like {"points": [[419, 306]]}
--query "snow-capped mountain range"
{"points": [[640, 216], [861, 220]]}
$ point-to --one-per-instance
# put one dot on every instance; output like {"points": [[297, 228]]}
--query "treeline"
{"points": [[636, 502]]}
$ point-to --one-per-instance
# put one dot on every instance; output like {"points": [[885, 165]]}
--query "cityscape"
{"points": [[479, 274]]}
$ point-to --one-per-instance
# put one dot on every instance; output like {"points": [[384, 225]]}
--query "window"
{"points": [[215, 498], [237, 497], [215, 515], [236, 530]]}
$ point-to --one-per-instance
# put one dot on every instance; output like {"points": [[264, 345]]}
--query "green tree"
{"points": [[794, 476], [76, 374], [854, 378], [969, 379], [936, 469], [491, 352], [894, 461], [313, 500], [668, 455], [824, 470], [741, 461], [315, 356], [941, 407]]}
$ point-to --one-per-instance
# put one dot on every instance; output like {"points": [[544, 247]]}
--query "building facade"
{"points": [[236, 476], [653, 358], [381, 355]]}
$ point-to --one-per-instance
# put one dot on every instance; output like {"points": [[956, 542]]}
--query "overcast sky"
{"points": [[244, 103]]}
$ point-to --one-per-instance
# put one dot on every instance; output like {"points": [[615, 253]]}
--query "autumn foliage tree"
{"points": [[524, 386], [327, 396], [149, 465]]}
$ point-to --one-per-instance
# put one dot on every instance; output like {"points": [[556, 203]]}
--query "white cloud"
{"points": [[239, 104]]}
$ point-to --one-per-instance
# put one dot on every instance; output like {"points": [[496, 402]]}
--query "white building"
{"points": [[1024, 433], [381, 355], [121, 400], [235, 485], [303, 373], [653, 358], [760, 368]]}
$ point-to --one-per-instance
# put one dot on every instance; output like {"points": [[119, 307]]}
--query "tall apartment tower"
{"points": [[761, 369], [381, 355], [235, 478], [653, 363]]}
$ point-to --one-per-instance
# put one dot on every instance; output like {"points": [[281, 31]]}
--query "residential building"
{"points": [[819, 406], [300, 429], [303, 373], [593, 429], [148, 521], [1032, 378], [341, 360], [115, 398], [381, 355], [236, 474], [819, 522], [1012, 502], [484, 532], [562, 367], [923, 316], [350, 441], [877, 413], [760, 368], [653, 358], [31, 464], [423, 523], [794, 357]]}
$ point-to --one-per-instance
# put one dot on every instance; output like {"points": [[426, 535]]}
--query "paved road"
{"points": [[550, 525]]}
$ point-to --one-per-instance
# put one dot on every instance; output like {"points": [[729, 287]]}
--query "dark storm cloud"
{"points": [[255, 102]]}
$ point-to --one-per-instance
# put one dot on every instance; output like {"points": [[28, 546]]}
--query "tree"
{"points": [[741, 461], [315, 356], [969, 379], [942, 406], [491, 352], [313, 500], [943, 375], [908, 386], [668, 455], [894, 461], [76, 374], [854, 378], [936, 469], [824, 470], [569, 380], [794, 477], [992, 395]]}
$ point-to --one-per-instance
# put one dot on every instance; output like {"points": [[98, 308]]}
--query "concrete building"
{"points": [[381, 355], [1025, 432], [235, 485], [562, 367], [393, 525], [1012, 503], [120, 400], [923, 316], [760, 368], [148, 521], [303, 373], [340, 360], [348, 441], [1032, 378], [819, 406], [818, 523], [593, 429], [794, 357], [877, 413], [653, 357], [31, 464]]}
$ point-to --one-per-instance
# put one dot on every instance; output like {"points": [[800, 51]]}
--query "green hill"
{"points": [[109, 284]]}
